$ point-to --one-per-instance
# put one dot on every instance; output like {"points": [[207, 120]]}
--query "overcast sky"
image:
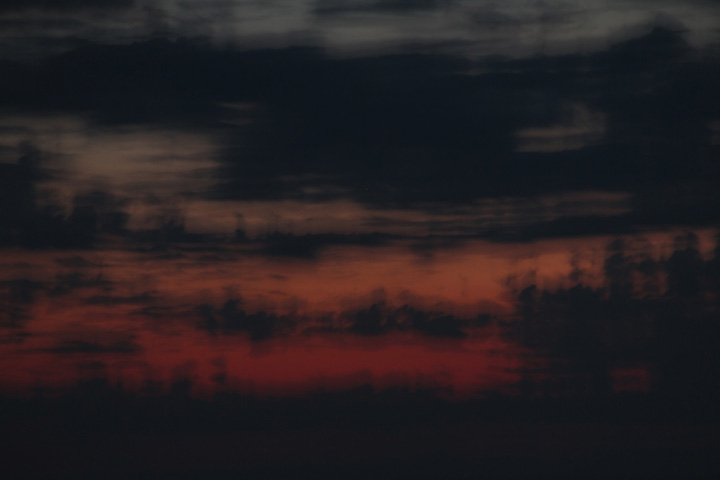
{"points": [[359, 236], [454, 183]]}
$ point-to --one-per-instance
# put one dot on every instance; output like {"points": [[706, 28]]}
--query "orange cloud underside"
{"points": [[137, 347], [276, 367]]}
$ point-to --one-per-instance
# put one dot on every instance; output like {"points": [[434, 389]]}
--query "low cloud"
{"points": [[31, 221], [16, 298], [63, 5], [377, 319], [89, 347], [409, 131], [143, 298], [344, 7], [308, 246]]}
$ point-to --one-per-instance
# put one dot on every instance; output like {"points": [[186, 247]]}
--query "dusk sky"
{"points": [[466, 199]]}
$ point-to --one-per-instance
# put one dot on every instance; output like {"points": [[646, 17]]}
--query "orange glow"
{"points": [[104, 307]]}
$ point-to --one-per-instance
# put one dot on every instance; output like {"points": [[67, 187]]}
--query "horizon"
{"points": [[435, 204]]}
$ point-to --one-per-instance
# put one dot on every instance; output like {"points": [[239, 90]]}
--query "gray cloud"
{"points": [[466, 27], [396, 132], [63, 5]]}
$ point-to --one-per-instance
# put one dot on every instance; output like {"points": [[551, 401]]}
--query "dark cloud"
{"points": [[561, 228], [55, 5], [83, 346], [689, 203], [379, 127], [171, 231], [14, 336], [22, 290], [233, 318], [408, 130], [154, 81], [29, 220], [159, 312], [377, 319], [332, 7], [412, 130], [19, 25], [16, 296], [488, 16], [308, 246], [146, 297], [67, 283], [76, 261], [98, 211], [17, 198], [686, 269]]}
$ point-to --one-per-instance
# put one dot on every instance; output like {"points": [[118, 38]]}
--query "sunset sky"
{"points": [[279, 198]]}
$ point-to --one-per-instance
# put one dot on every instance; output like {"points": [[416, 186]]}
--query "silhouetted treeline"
{"points": [[95, 406], [95, 430], [660, 314]]}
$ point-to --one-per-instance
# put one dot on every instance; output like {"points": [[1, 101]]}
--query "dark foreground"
{"points": [[357, 435]]}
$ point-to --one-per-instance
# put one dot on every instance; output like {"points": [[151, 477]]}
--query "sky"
{"points": [[279, 198]]}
